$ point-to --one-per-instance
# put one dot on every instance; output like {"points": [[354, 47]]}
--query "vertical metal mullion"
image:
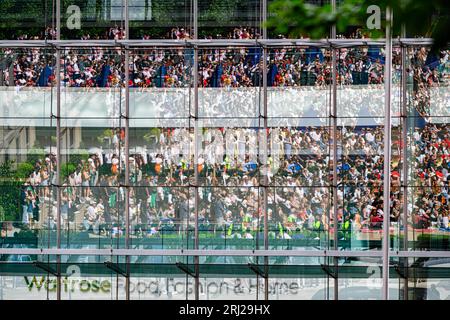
{"points": [[405, 157], [58, 19], [264, 19], [265, 155], [127, 20], [387, 154], [266, 172], [334, 146], [127, 155], [196, 152], [195, 19], [58, 149], [196, 173]]}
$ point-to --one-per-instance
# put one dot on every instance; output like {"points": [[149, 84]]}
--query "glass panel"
{"points": [[161, 156], [365, 284], [28, 169], [427, 83], [229, 218], [27, 79], [92, 20], [161, 217], [229, 19], [231, 288], [299, 217], [229, 81], [299, 152], [92, 152], [229, 156], [99, 68], [168, 19], [27, 20], [275, 34], [300, 289], [162, 288], [31, 286], [300, 66]]}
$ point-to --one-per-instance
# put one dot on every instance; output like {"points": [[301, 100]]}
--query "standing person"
{"points": [[30, 203], [36, 209], [23, 201], [85, 179], [287, 142]]}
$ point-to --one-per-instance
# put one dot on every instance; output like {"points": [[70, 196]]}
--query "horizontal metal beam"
{"points": [[420, 254], [23, 43], [229, 253], [192, 252], [337, 43]]}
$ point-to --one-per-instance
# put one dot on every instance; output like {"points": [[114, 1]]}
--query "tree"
{"points": [[296, 18]]}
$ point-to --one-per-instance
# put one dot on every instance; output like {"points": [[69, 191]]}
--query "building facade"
{"points": [[191, 153]]}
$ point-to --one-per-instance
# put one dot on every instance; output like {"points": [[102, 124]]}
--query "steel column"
{"points": [[334, 147], [195, 19], [264, 19], [265, 152], [265, 172], [58, 150], [127, 20], [405, 156], [387, 154], [127, 154], [197, 141]]}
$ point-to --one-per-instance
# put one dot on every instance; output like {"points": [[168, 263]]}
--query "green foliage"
{"points": [[2, 214], [104, 169], [6, 169], [108, 133], [24, 170], [161, 10], [76, 158], [153, 132], [421, 18], [67, 169], [9, 193], [35, 154], [220, 11]]}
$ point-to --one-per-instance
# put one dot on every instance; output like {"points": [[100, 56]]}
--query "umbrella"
{"points": [[439, 174]]}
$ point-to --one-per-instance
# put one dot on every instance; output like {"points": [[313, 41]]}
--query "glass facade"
{"points": [[146, 162]]}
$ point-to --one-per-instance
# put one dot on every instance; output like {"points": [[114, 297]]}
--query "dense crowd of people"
{"points": [[298, 170], [287, 67], [230, 167]]}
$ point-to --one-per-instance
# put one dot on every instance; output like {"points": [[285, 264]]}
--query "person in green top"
{"points": [[346, 227]]}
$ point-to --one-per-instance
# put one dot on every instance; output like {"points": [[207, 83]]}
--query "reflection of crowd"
{"points": [[231, 174], [287, 67], [158, 68], [112, 33], [96, 68], [426, 73], [297, 67], [431, 151], [298, 166]]}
